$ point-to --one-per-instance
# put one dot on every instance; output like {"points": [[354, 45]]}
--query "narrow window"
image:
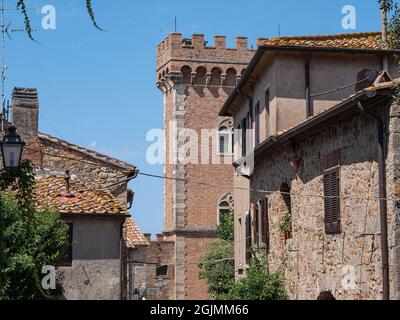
{"points": [[286, 225], [257, 123], [66, 256], [223, 209], [248, 237], [332, 201], [224, 136], [267, 112], [256, 212], [244, 137], [265, 225]]}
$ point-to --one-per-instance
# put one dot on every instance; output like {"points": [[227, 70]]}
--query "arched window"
{"points": [[215, 76], [186, 74], [231, 77], [326, 296], [225, 205], [200, 76], [225, 138]]}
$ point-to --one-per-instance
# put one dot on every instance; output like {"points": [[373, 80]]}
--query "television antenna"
{"points": [[5, 30]]}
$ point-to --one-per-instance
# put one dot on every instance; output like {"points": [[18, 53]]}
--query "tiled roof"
{"points": [[88, 152], [370, 40], [50, 193], [133, 237]]}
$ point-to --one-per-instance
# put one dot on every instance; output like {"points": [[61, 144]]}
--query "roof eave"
{"points": [[225, 110], [331, 113]]}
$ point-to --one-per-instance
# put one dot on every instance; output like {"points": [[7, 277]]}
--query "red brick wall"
{"points": [[202, 106]]}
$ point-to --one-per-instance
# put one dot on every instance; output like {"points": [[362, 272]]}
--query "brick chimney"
{"points": [[25, 111]]}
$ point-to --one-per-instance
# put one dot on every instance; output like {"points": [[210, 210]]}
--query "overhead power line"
{"points": [[218, 186]]}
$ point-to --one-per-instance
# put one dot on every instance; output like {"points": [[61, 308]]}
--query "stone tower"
{"points": [[196, 79]]}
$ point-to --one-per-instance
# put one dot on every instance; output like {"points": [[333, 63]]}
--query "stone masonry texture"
{"points": [[313, 262]]}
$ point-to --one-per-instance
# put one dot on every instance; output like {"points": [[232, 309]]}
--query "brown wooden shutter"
{"points": [[256, 234], [332, 201], [265, 224], [248, 237]]}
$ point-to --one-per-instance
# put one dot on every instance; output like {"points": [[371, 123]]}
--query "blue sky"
{"points": [[97, 89]]}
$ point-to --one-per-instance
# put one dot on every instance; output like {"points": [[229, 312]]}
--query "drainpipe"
{"points": [[310, 111], [383, 200]]}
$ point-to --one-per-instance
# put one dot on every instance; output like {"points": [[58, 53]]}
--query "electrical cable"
{"points": [[206, 184]]}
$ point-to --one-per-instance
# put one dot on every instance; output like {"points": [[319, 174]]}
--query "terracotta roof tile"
{"points": [[133, 237], [88, 152], [369, 40], [50, 193]]}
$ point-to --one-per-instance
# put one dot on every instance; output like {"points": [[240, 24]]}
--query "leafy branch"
{"points": [[392, 8], [28, 27]]}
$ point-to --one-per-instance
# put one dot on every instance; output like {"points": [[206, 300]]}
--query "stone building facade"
{"points": [[314, 262], [315, 149], [152, 266], [102, 244], [195, 80]]}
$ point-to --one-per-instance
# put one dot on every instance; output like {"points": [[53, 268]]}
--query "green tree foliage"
{"points": [[218, 268], [29, 239], [217, 265], [28, 27], [226, 227], [392, 9], [258, 284]]}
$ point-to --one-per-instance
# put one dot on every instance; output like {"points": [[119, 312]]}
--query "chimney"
{"points": [[25, 111], [147, 236]]}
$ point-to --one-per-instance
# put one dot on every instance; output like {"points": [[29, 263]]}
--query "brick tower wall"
{"points": [[196, 79]]}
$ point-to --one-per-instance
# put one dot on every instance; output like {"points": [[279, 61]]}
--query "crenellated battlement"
{"points": [[194, 61], [176, 40]]}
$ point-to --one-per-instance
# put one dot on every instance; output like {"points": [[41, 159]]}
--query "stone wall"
{"points": [[95, 273], [159, 252], [349, 264]]}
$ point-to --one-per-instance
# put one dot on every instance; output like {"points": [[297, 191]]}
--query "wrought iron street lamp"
{"points": [[11, 148]]}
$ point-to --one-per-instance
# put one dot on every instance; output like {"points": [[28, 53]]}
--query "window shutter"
{"points": [[256, 237], [332, 201], [265, 224], [248, 237]]}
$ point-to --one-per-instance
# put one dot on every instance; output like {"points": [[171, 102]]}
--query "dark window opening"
{"points": [[248, 238], [326, 296], [267, 112], [287, 215], [66, 255], [244, 137], [257, 123], [162, 271], [332, 201]]}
